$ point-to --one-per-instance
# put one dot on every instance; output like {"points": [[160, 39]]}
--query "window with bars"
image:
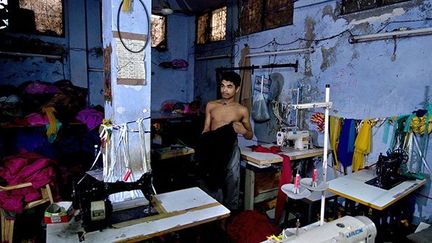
{"points": [[260, 15], [211, 26], [33, 17], [158, 32], [352, 6]]}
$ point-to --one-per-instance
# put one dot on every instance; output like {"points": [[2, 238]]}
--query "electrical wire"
{"points": [[148, 29]]}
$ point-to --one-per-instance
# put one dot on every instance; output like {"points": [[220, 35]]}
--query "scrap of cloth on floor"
{"points": [[250, 227], [214, 151], [285, 177]]}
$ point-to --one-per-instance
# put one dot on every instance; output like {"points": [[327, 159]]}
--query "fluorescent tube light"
{"points": [[389, 35], [290, 51]]}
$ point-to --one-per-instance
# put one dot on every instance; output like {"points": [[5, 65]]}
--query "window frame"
{"points": [[163, 45], [378, 4], [36, 32], [262, 21], [208, 32]]}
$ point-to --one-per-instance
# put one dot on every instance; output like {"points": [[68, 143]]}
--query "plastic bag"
{"points": [[259, 108]]}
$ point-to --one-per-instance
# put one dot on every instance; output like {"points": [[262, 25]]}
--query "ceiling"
{"points": [[189, 7]]}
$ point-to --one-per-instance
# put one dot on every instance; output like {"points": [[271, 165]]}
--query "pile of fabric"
{"points": [[22, 168]]}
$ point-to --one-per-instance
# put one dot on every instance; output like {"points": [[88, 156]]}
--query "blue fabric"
{"points": [[346, 142]]}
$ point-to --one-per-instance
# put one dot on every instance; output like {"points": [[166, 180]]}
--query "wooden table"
{"points": [[259, 161], [353, 187], [180, 209]]}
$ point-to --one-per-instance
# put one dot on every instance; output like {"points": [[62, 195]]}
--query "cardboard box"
{"points": [[59, 212]]}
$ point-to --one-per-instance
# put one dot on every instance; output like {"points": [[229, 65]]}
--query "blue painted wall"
{"points": [[83, 61], [368, 80], [174, 84]]}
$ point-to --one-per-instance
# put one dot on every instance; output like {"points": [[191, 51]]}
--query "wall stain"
{"points": [[309, 36], [355, 55], [328, 57], [328, 10]]}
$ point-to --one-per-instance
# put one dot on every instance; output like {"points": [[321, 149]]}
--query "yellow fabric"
{"points": [[335, 128], [126, 5], [52, 121], [362, 145]]}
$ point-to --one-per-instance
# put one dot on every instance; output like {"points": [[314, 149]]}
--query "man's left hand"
{"points": [[239, 128]]}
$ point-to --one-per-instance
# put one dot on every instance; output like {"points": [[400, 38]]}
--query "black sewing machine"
{"points": [[91, 197], [388, 170]]}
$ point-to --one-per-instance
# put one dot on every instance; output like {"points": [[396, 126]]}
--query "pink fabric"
{"points": [[40, 88], [21, 168], [91, 117], [285, 176], [35, 119]]}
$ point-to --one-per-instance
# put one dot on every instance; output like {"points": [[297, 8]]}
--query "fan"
{"points": [[163, 7]]}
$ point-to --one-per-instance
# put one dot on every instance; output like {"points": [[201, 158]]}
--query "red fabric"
{"points": [[21, 168], [250, 227], [285, 177]]}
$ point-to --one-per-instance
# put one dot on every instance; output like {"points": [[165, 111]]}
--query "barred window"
{"points": [[218, 24], [33, 17], [260, 15], [158, 31], [351, 6], [211, 26]]}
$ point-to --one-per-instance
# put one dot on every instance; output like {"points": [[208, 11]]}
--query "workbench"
{"points": [[256, 161], [177, 210]]}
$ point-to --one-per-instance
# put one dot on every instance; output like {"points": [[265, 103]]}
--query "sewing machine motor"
{"points": [[293, 138], [92, 198]]}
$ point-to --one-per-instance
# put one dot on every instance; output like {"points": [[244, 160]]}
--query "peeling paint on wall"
{"points": [[384, 17]]}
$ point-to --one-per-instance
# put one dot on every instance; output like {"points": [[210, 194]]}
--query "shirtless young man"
{"points": [[226, 110], [217, 150]]}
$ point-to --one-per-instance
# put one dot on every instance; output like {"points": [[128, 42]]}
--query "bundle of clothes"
{"points": [[38, 103]]}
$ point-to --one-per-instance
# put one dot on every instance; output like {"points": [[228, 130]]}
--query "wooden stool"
{"points": [[7, 225]]}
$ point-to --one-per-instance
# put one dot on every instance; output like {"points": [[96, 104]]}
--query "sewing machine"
{"points": [[388, 170], [299, 139], [346, 229], [91, 197]]}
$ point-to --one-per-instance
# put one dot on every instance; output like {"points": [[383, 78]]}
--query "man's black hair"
{"points": [[232, 77]]}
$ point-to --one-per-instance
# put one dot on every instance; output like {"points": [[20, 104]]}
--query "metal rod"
{"points": [[283, 65], [23, 54], [212, 57], [311, 105], [389, 35], [290, 51], [326, 131], [420, 152]]}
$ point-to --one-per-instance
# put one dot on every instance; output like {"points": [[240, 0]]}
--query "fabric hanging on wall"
{"points": [[346, 142], [276, 86], [335, 130], [362, 145], [244, 97]]}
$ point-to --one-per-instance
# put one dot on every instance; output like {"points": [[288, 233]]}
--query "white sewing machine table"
{"points": [[180, 209], [258, 160], [353, 187]]}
